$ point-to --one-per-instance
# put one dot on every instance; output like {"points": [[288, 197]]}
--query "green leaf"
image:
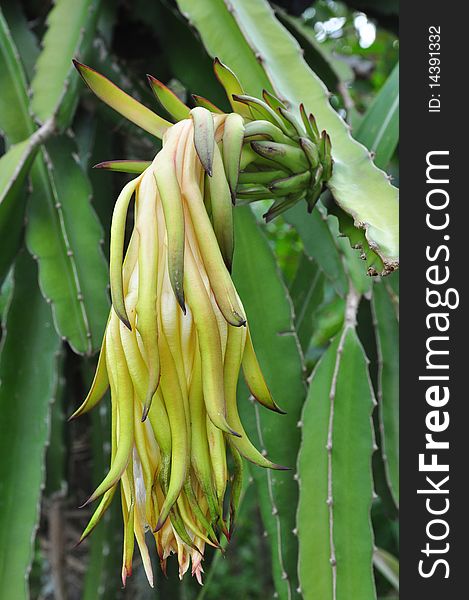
{"points": [[15, 121], [379, 128], [387, 565], [319, 244], [57, 451], [252, 36], [71, 28], [6, 290], [268, 310], [28, 376], [17, 126], [22, 35], [64, 234], [334, 468], [14, 166], [387, 340], [307, 293], [102, 578]]}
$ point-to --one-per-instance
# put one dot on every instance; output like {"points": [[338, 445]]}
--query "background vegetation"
{"points": [[326, 334]]}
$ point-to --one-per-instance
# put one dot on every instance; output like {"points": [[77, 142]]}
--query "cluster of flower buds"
{"points": [[177, 335]]}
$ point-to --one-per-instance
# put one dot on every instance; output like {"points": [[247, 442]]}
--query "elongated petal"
{"points": [[236, 484], [261, 110], [201, 101], [233, 357], [119, 218], [199, 514], [129, 540], [222, 209], [171, 200], [146, 226], [262, 129], [220, 279], [261, 177], [179, 435], [200, 452], [189, 521], [233, 138], [122, 394], [99, 385], [124, 166], [210, 345], [254, 377], [290, 157], [311, 152], [310, 124], [204, 136], [99, 512], [216, 441], [168, 99], [290, 185], [121, 102], [232, 86], [290, 121], [274, 102]]}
